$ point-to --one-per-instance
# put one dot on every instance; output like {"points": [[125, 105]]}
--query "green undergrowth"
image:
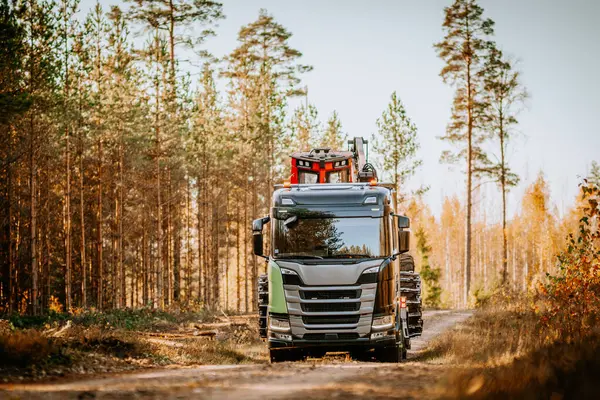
{"points": [[127, 319]]}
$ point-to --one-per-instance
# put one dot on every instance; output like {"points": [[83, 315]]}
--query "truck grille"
{"points": [[330, 294], [330, 319], [330, 307], [335, 336]]}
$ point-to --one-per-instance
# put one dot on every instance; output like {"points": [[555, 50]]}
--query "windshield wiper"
{"points": [[299, 256], [350, 255]]}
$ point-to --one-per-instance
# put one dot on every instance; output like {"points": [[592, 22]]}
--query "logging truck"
{"points": [[339, 274]]}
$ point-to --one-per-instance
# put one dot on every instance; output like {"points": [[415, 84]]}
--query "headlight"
{"points": [[372, 270], [285, 271], [290, 277], [279, 324], [369, 275], [380, 322]]}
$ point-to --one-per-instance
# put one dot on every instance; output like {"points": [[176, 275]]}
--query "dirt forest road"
{"points": [[331, 377]]}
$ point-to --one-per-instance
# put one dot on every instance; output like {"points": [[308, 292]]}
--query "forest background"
{"points": [[133, 160]]}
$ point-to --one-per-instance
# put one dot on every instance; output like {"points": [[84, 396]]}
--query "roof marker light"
{"points": [[287, 184], [373, 182]]}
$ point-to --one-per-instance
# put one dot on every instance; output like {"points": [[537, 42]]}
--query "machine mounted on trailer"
{"points": [[339, 274]]}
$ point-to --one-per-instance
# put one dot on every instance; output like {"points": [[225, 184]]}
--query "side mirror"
{"points": [[257, 235], [257, 243], [403, 222], [403, 241], [257, 224]]}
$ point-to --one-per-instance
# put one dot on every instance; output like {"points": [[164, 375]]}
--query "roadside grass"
{"points": [[504, 352], [93, 342]]}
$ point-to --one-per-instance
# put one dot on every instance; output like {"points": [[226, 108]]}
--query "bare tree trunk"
{"points": [[503, 188], [238, 252], [100, 239], [227, 248], [68, 241], [144, 263], [200, 242], [33, 224], [467, 276], [123, 298], [12, 289], [159, 299], [188, 247], [246, 308]]}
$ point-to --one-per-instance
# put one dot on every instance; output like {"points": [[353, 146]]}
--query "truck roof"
{"points": [[345, 194]]}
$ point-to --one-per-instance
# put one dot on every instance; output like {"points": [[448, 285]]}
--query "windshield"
{"points": [[358, 237]]}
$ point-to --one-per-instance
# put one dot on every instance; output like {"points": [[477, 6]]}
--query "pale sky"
{"points": [[364, 50]]}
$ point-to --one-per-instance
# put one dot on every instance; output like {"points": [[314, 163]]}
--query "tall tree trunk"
{"points": [[33, 224], [122, 300], [238, 252], [503, 188], [201, 243], [188, 247], [68, 239], [227, 248], [84, 275], [246, 308], [159, 300], [100, 239], [467, 276]]}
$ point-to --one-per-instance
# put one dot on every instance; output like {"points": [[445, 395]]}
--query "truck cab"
{"points": [[339, 276]]}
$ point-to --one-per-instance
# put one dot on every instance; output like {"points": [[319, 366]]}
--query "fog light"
{"points": [[380, 322], [377, 335], [283, 336], [279, 324]]}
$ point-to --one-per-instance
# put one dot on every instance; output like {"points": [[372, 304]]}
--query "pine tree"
{"points": [[15, 100], [333, 136], [304, 128], [262, 71], [430, 275], [503, 96], [594, 175], [463, 50], [398, 144]]}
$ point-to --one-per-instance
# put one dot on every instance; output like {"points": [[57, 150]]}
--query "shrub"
{"points": [[26, 348], [570, 301]]}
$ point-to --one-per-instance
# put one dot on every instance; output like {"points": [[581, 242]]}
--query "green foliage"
{"points": [[128, 319], [333, 137], [594, 175], [398, 143], [14, 99], [464, 50], [304, 128], [570, 300], [429, 275]]}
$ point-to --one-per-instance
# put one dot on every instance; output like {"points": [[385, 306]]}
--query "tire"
{"points": [[361, 355], [410, 287], [407, 263], [263, 303], [391, 354], [282, 355]]}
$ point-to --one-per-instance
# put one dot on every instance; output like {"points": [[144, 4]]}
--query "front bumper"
{"points": [[388, 339]]}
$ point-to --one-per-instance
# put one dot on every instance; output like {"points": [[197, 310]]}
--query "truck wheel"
{"points": [[263, 303], [407, 263], [391, 354], [361, 355], [282, 355]]}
